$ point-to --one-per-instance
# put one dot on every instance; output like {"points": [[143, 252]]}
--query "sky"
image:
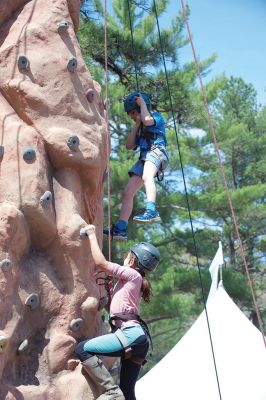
{"points": [[235, 30]]}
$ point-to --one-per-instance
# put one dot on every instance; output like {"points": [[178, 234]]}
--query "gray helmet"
{"points": [[147, 254]]}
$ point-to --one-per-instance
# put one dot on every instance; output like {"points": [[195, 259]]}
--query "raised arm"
{"points": [[145, 115], [97, 255]]}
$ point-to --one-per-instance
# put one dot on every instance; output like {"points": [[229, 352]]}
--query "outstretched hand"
{"points": [[97, 255], [90, 229]]}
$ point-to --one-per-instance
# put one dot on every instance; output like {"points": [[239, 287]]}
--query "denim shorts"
{"points": [[158, 157]]}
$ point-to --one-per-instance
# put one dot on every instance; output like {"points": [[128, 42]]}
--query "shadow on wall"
{"points": [[24, 367]]}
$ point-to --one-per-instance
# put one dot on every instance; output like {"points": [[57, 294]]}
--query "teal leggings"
{"points": [[109, 345]]}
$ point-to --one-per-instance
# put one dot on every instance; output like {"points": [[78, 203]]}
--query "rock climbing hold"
{"points": [[62, 26], [29, 154], [23, 346], [82, 233], [73, 142], [76, 324], [72, 64], [90, 95], [23, 62], [32, 301], [3, 343], [5, 264], [46, 198], [2, 150]]}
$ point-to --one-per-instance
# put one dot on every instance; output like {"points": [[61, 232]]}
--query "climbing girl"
{"points": [[130, 336], [149, 135]]}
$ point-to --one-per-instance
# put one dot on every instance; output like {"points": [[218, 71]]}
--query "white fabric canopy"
{"points": [[187, 372]]}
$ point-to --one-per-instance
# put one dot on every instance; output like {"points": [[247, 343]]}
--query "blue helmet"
{"points": [[130, 102]]}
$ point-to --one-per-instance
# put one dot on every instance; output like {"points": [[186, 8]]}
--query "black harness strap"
{"points": [[129, 317]]}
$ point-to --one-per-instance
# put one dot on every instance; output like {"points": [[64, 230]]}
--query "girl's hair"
{"points": [[146, 289]]}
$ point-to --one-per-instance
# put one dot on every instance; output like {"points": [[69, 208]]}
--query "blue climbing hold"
{"points": [[82, 233], [29, 154], [90, 95], [23, 346], [5, 264], [46, 198], [72, 64], [62, 26], [73, 142], [76, 324], [32, 301], [23, 62], [2, 150]]}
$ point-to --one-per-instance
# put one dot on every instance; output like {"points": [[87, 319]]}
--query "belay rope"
{"points": [[106, 280], [223, 175], [187, 198], [183, 175]]}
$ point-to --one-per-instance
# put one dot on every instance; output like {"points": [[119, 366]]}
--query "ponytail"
{"points": [[146, 288]]}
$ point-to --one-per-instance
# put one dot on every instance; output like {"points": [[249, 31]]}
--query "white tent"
{"points": [[187, 372]]}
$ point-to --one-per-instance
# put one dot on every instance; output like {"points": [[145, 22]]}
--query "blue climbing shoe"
{"points": [[149, 217], [116, 233]]}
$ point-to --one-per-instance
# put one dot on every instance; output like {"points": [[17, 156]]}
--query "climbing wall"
{"points": [[52, 162]]}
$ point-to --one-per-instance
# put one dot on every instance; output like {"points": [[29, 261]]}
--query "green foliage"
{"points": [[241, 134]]}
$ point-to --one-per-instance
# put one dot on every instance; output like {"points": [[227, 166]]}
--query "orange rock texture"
{"points": [[52, 163]]}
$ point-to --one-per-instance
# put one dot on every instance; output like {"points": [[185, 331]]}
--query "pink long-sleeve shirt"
{"points": [[127, 292]]}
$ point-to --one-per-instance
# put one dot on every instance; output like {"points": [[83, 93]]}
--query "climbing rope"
{"points": [[186, 194], [242, 252], [108, 141], [133, 49]]}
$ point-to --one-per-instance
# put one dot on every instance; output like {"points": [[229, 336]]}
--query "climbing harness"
{"points": [[160, 173], [124, 317]]}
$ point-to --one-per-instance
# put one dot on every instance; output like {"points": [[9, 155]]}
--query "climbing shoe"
{"points": [[149, 217], [116, 233]]}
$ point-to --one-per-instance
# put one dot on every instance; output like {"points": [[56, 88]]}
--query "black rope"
{"points": [[186, 193], [133, 46]]}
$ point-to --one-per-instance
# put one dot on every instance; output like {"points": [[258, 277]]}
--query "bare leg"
{"points": [[149, 172], [132, 187]]}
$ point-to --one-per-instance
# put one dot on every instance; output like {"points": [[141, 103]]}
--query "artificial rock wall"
{"points": [[52, 162]]}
